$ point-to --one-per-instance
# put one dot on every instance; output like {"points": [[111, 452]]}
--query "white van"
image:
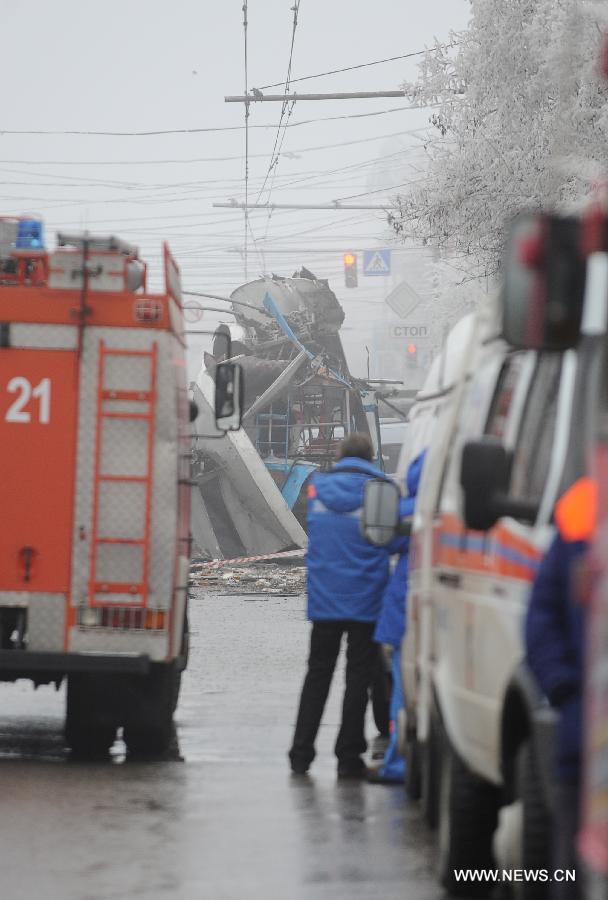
{"points": [[478, 734], [438, 388], [469, 697]]}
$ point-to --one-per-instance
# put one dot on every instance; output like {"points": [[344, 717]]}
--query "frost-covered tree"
{"points": [[520, 121]]}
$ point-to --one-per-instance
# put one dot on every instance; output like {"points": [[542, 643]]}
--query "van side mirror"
{"points": [[544, 283], [229, 396], [484, 475], [193, 410], [380, 520]]}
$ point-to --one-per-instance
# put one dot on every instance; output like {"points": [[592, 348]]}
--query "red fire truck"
{"points": [[95, 483]]}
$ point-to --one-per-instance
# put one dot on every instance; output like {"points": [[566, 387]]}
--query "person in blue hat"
{"points": [[390, 630], [346, 578]]}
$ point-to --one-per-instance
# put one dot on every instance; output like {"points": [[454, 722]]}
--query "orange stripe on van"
{"points": [[496, 552]]}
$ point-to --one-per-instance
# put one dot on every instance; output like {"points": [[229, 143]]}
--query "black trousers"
{"points": [[361, 658], [380, 692]]}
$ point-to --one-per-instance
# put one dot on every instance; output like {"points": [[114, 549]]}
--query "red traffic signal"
{"points": [[350, 270], [412, 355]]}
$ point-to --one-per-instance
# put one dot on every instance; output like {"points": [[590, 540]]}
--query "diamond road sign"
{"points": [[403, 300], [376, 262]]}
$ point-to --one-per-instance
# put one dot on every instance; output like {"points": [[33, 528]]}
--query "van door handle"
{"points": [[450, 579]]}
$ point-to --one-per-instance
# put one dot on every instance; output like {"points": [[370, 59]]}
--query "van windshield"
{"points": [[501, 404]]}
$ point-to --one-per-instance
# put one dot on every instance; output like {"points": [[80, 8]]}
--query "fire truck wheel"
{"points": [[89, 728], [148, 727], [429, 771], [468, 812], [535, 833]]}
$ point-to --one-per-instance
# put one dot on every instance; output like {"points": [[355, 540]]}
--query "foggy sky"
{"points": [[130, 65]]}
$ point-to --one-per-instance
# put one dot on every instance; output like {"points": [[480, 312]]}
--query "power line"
{"points": [[380, 190], [164, 218], [376, 62], [381, 112], [276, 152], [274, 158], [207, 159], [357, 246], [332, 206], [355, 166], [228, 183]]}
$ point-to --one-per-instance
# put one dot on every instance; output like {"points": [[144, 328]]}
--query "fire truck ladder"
{"points": [[137, 592]]}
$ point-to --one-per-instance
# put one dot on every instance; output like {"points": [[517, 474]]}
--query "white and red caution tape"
{"points": [[243, 560]]}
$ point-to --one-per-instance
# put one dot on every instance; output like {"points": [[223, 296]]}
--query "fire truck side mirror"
{"points": [[485, 473], [380, 519], [544, 282], [229, 396]]}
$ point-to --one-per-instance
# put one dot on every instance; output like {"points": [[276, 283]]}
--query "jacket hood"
{"points": [[342, 491]]}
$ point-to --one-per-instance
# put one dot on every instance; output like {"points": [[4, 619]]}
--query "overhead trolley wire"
{"points": [[273, 157], [280, 136], [375, 62], [380, 112], [393, 187], [207, 159]]}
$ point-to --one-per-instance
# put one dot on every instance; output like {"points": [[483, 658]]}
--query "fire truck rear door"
{"points": [[38, 409]]}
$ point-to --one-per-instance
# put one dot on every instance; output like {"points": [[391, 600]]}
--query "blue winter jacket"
{"points": [[346, 575], [391, 624], [554, 645]]}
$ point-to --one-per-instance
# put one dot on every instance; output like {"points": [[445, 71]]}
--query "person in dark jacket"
{"points": [[554, 644], [346, 577], [390, 630]]}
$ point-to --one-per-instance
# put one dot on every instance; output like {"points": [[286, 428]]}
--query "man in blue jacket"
{"points": [[346, 579]]}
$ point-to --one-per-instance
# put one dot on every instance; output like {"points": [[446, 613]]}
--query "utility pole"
{"points": [[245, 211]]}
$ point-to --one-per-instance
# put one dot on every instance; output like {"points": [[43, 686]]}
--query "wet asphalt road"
{"points": [[228, 821]]}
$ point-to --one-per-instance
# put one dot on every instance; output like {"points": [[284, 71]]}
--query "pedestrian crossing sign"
{"points": [[376, 262]]}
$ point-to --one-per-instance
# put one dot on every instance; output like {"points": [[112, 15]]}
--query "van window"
{"points": [[503, 395], [533, 449]]}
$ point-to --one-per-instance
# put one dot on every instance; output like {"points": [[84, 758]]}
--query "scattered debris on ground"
{"points": [[268, 578]]}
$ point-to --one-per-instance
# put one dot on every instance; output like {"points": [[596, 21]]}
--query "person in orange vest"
{"points": [[554, 636]]}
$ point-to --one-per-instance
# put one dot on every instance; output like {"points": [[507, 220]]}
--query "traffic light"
{"points": [[411, 355], [350, 270]]}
